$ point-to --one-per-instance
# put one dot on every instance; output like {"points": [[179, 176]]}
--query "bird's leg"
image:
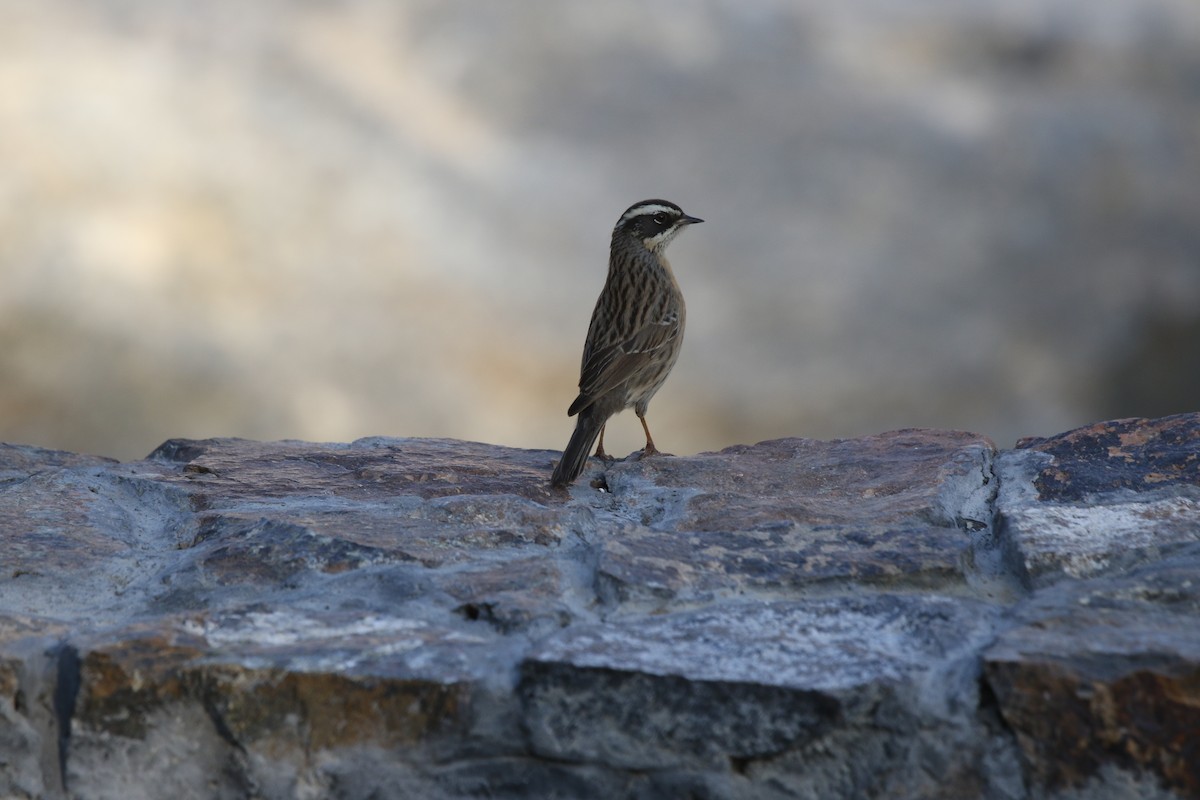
{"points": [[649, 449], [600, 447]]}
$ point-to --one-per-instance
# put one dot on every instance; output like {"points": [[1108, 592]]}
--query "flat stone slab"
{"points": [[892, 509], [764, 687]]}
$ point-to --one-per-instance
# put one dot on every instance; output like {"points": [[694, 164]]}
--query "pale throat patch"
{"points": [[661, 240]]}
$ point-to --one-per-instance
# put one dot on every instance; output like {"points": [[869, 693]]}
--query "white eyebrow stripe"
{"points": [[647, 210]]}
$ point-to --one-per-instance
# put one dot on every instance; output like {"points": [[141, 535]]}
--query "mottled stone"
{"points": [[1102, 498], [19, 461], [1106, 672], [752, 686], [80, 534], [31, 702], [515, 595], [223, 471], [274, 511], [896, 508], [1139, 455], [269, 695]]}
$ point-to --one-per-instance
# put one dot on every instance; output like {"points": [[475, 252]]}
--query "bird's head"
{"points": [[654, 223]]}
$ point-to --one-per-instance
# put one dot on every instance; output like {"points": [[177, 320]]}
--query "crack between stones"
{"points": [[67, 680], [991, 569]]}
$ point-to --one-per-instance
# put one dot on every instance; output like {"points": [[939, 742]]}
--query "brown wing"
{"points": [[609, 367]]}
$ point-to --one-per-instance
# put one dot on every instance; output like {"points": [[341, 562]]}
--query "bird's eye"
{"points": [[660, 219]]}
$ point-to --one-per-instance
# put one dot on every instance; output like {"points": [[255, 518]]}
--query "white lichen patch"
{"points": [[820, 645], [1084, 540], [327, 642], [287, 629]]}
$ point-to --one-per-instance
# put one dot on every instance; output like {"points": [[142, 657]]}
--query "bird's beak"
{"points": [[686, 220]]}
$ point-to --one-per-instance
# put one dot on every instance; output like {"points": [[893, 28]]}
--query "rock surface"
{"points": [[908, 615]]}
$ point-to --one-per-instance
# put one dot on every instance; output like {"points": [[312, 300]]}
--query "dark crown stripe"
{"points": [[649, 208]]}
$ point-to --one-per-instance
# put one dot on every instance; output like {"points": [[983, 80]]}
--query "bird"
{"points": [[635, 334]]}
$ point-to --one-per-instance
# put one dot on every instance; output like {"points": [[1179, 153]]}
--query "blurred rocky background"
{"points": [[326, 220]]}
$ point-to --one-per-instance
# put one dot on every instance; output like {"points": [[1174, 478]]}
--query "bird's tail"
{"points": [[575, 457]]}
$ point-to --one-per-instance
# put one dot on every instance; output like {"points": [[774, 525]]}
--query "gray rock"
{"points": [[764, 688], [901, 615]]}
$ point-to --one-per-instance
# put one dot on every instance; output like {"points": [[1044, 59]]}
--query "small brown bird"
{"points": [[635, 334]]}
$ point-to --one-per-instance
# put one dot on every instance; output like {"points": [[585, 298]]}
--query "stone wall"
{"points": [[907, 615]]}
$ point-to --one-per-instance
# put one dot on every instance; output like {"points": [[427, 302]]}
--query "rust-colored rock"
{"points": [[1107, 672], [1138, 455]]}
